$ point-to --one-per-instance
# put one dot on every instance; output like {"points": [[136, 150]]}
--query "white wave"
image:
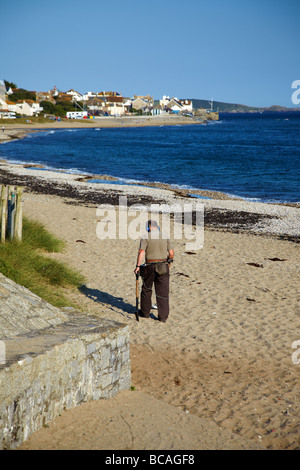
{"points": [[214, 122], [48, 133]]}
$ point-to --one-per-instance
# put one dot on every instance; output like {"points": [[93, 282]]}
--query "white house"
{"points": [[176, 105], [3, 104], [25, 107], [95, 105], [186, 106], [6, 114], [115, 105], [164, 101], [88, 95], [54, 92], [76, 96]]}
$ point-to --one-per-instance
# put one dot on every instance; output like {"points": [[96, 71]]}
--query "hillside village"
{"points": [[72, 104]]}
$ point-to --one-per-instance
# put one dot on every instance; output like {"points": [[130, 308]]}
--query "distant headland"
{"points": [[222, 107]]}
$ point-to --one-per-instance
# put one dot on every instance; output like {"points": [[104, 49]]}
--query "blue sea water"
{"points": [[250, 156]]}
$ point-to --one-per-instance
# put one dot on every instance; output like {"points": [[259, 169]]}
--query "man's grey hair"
{"points": [[152, 223]]}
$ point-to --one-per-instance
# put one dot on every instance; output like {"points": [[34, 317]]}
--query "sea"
{"points": [[251, 156]]}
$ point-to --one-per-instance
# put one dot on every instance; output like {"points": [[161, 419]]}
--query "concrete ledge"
{"points": [[47, 370]]}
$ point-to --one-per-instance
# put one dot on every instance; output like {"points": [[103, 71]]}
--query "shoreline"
{"points": [[14, 131], [17, 130]]}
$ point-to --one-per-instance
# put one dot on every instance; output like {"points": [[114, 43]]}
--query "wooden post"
{"points": [[1, 189], [19, 213], [3, 213], [11, 211]]}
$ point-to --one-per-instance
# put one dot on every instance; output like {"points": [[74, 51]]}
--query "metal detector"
{"points": [[137, 296]]}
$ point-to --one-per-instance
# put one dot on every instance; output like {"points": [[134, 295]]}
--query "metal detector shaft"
{"points": [[137, 297]]}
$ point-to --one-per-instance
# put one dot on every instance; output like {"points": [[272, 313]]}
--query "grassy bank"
{"points": [[27, 264], [30, 120]]}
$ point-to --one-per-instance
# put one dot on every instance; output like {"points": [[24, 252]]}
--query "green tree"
{"points": [[21, 94], [48, 108], [59, 109], [10, 84]]}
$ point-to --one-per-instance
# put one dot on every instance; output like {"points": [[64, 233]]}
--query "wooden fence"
{"points": [[11, 212]]}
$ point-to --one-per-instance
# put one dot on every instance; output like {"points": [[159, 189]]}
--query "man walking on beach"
{"points": [[156, 250]]}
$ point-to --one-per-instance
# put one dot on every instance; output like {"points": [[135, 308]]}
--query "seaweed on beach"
{"points": [[230, 219], [214, 219], [238, 222], [74, 194], [233, 219]]}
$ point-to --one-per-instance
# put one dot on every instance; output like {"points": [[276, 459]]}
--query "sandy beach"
{"points": [[222, 366]]}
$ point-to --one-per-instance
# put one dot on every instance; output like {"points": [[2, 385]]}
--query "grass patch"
{"points": [[27, 264]]}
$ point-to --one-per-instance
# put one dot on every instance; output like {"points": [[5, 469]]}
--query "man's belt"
{"points": [[155, 260]]}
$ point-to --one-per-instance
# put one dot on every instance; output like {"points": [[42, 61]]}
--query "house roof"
{"points": [[65, 96], [95, 100], [185, 102], [173, 102], [143, 97], [29, 102], [25, 101], [139, 100], [74, 91], [114, 99]]}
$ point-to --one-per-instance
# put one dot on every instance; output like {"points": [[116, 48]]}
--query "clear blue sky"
{"points": [[238, 51]]}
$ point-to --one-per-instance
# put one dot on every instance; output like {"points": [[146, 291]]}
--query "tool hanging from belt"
{"points": [[137, 296], [150, 262]]}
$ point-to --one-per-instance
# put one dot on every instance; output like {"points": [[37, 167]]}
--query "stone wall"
{"points": [[207, 115], [52, 360]]}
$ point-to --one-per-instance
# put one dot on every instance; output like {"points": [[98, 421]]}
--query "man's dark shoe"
{"points": [[141, 314], [160, 319]]}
